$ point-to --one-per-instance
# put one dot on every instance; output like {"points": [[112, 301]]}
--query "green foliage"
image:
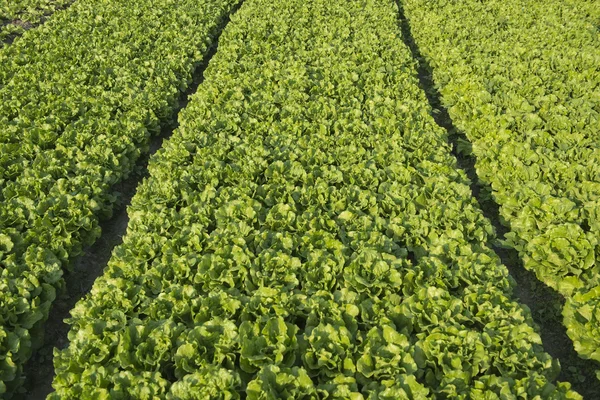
{"points": [[305, 233], [18, 15], [520, 78], [582, 316], [80, 97]]}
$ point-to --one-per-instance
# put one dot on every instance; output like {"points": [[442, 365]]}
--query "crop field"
{"points": [[17, 16], [300, 199]]}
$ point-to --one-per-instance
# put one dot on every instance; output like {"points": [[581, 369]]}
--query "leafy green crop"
{"points": [[79, 98], [305, 233], [17, 15], [521, 78]]}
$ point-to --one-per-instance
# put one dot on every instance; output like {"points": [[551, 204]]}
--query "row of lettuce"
{"points": [[18, 15], [306, 233], [80, 97], [521, 78]]}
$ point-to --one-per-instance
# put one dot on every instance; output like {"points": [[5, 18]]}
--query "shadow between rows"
{"points": [[544, 302], [85, 269]]}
